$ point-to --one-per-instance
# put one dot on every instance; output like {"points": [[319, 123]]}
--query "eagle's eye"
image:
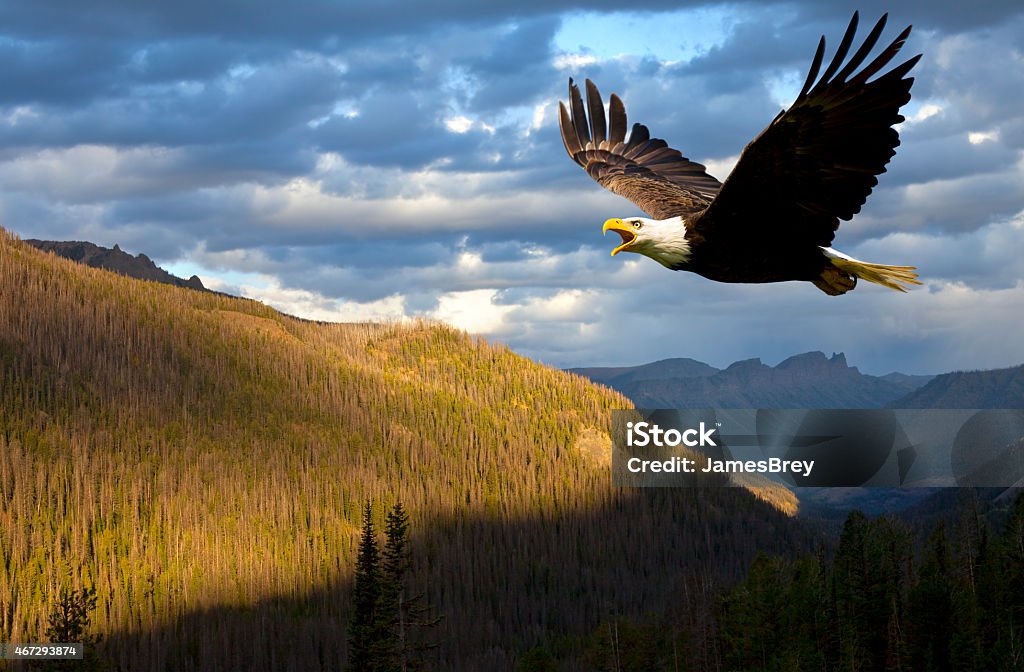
{"points": [[638, 224]]}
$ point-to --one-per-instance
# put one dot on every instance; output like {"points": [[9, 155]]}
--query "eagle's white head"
{"points": [[663, 240]]}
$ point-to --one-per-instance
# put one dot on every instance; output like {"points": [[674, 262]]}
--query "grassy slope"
{"points": [[191, 454]]}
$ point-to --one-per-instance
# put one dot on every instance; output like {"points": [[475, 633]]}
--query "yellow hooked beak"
{"points": [[623, 229]]}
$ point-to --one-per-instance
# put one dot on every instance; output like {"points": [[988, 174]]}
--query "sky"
{"points": [[350, 161]]}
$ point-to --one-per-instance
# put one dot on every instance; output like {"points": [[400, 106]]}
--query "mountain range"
{"points": [[810, 380], [996, 388]]}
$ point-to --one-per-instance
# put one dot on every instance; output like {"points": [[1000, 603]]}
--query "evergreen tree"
{"points": [[394, 565], [967, 649], [364, 650], [804, 618], [384, 612], [400, 611], [68, 622], [848, 590], [538, 659], [749, 615], [890, 555], [1011, 626], [622, 645], [931, 605]]}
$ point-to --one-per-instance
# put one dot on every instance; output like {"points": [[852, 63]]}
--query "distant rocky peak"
{"points": [[114, 259], [818, 362], [753, 363]]}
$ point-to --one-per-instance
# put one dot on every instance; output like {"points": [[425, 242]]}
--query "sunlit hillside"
{"points": [[203, 460]]}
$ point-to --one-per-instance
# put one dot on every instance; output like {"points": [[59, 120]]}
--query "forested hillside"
{"points": [[998, 388], [202, 461], [890, 599]]}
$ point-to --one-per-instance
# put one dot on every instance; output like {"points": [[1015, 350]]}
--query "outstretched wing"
{"points": [[817, 162], [657, 178]]}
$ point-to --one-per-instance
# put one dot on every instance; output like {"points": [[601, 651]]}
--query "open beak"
{"points": [[621, 228]]}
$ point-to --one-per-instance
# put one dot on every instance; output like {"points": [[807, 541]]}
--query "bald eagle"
{"points": [[774, 218]]}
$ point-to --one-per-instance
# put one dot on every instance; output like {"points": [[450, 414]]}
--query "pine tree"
{"points": [[68, 622], [384, 612], [849, 598], [394, 566], [538, 659], [931, 602], [364, 652], [1011, 626], [400, 612]]}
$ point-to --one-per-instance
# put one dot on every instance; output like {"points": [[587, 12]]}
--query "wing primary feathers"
{"points": [[815, 66], [883, 58], [598, 130], [818, 161], [639, 135], [645, 170], [617, 121], [869, 43], [579, 115], [572, 143], [900, 70], [844, 47]]}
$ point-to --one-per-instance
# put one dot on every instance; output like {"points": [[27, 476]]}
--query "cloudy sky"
{"points": [[355, 160]]}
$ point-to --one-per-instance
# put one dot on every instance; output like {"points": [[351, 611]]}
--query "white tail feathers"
{"points": [[899, 278]]}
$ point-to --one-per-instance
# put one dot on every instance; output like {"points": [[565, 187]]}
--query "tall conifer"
{"points": [[363, 653], [401, 612]]}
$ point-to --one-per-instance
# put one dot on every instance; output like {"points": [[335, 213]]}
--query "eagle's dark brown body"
{"points": [[753, 259]]}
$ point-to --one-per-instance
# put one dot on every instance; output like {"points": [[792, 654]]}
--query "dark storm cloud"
{"points": [[762, 40], [377, 255], [245, 105], [53, 72], [515, 67], [948, 158], [391, 129], [948, 16], [720, 125], [311, 22], [985, 82], [402, 123]]}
